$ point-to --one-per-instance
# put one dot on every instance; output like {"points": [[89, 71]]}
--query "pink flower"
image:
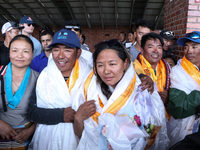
{"points": [[137, 119], [104, 131]]}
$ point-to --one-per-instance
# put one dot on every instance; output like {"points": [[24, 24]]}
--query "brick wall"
{"points": [[94, 35], [193, 21], [181, 16]]}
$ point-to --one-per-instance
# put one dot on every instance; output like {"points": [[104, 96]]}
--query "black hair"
{"points": [[106, 35], [83, 38], [150, 36], [4, 36], [45, 32], [123, 33], [22, 37], [187, 40], [55, 45], [172, 57], [44, 29], [71, 23], [122, 52], [131, 31], [143, 23]]}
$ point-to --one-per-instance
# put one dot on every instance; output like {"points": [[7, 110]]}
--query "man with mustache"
{"points": [[150, 60], [40, 61], [185, 89]]}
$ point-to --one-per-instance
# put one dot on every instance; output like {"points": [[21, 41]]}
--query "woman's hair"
{"points": [[122, 52], [172, 57], [22, 37]]}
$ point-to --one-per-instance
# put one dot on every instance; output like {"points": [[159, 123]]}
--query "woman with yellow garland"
{"points": [[112, 111]]}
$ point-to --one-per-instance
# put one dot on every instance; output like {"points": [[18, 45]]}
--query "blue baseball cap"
{"points": [[193, 36], [66, 37], [27, 20]]}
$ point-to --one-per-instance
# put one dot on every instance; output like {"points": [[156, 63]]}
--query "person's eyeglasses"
{"points": [[76, 28], [112, 42], [193, 35], [31, 24], [169, 33]]}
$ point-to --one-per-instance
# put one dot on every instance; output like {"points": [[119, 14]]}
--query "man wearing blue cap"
{"points": [[56, 89], [73, 25], [184, 95], [29, 26]]}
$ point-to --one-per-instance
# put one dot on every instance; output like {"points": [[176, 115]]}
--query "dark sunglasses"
{"points": [[193, 35], [169, 33], [76, 28], [31, 24], [112, 42]]}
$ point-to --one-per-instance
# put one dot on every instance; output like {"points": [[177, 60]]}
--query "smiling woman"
{"points": [[21, 53], [15, 127]]}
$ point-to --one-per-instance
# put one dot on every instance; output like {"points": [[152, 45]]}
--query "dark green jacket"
{"points": [[182, 105]]}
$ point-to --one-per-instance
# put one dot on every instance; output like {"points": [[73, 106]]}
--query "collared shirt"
{"points": [[85, 47], [39, 62]]}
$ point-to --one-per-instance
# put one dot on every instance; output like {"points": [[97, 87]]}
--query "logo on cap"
{"points": [[29, 18], [62, 35]]}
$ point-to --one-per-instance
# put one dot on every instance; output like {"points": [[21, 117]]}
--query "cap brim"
{"points": [[31, 23], [28, 22], [22, 27], [70, 45], [182, 40]]}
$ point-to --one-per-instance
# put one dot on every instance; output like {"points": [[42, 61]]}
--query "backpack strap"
{"points": [[2, 72]]}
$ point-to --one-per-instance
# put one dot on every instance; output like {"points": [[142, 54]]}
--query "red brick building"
{"points": [[181, 16]]}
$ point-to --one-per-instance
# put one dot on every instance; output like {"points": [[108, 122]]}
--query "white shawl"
{"points": [[181, 80], [90, 135], [52, 92]]}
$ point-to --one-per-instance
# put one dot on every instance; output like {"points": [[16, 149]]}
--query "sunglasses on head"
{"points": [[112, 42], [76, 28], [31, 24], [193, 35], [169, 33]]}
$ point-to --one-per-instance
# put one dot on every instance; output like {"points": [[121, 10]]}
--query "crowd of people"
{"points": [[130, 93]]}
